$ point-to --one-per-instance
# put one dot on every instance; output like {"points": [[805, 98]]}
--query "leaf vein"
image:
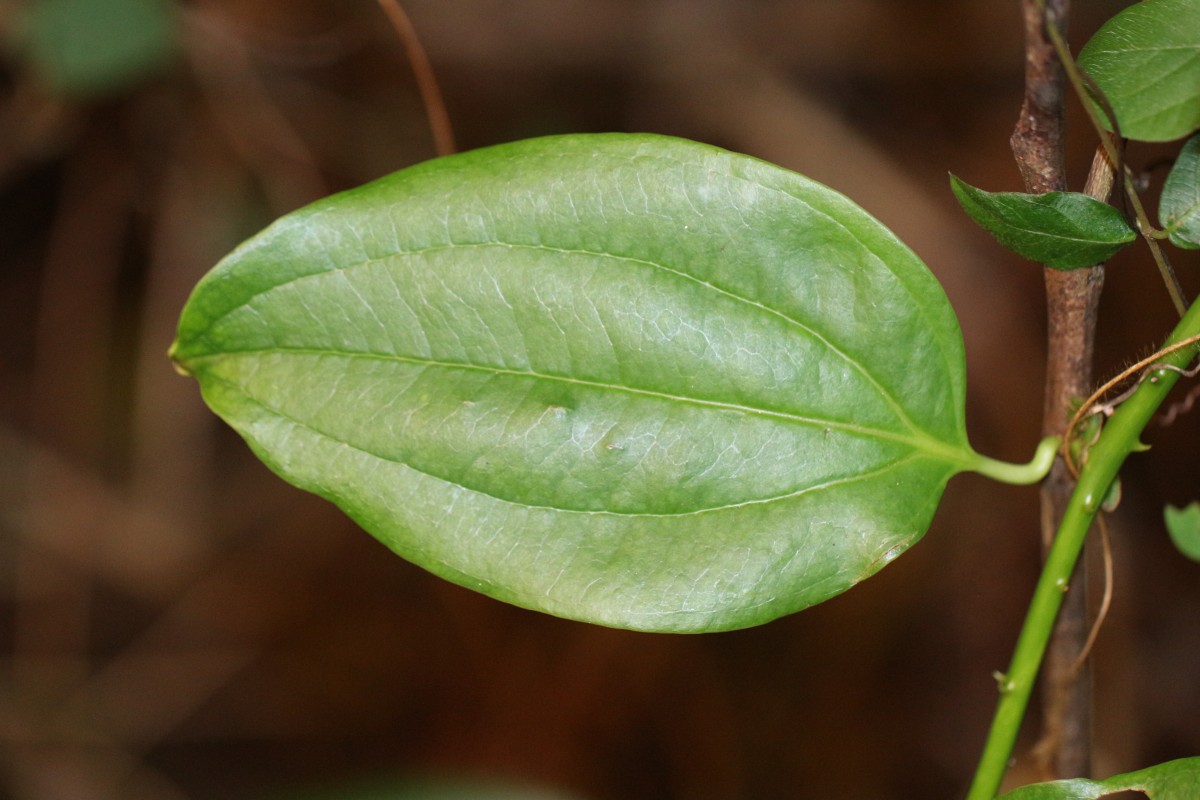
{"points": [[816, 487]]}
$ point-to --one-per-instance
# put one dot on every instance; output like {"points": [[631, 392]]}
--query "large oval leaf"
{"points": [[628, 379]]}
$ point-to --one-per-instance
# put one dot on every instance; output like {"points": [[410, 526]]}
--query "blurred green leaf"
{"points": [[1146, 60], [96, 47], [1174, 780], [628, 379], [1183, 524], [1179, 207], [425, 789], [1063, 230]]}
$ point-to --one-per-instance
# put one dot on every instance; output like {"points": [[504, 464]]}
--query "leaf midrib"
{"points": [[919, 441], [829, 484], [1056, 236], [884, 393]]}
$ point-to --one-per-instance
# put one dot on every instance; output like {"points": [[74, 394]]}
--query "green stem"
{"points": [[1160, 258], [1120, 437], [1020, 474]]}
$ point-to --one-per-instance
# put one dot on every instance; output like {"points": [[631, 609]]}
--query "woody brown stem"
{"points": [[1071, 299]]}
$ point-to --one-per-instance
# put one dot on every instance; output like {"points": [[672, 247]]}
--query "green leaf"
{"points": [[1063, 230], [628, 379], [425, 789], [1179, 207], [1146, 60], [1183, 524], [1174, 780], [95, 47]]}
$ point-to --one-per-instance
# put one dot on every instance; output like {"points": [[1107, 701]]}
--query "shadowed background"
{"points": [[176, 622]]}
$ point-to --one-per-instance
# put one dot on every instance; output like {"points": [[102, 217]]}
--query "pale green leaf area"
{"points": [[1179, 206], [1146, 60], [1183, 525], [1063, 230], [95, 47], [627, 379], [1174, 780]]}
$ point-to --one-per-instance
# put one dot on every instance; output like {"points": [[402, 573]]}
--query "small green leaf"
{"points": [[1183, 524], [628, 379], [1146, 60], [1174, 780], [1179, 208], [95, 47], [1063, 230]]}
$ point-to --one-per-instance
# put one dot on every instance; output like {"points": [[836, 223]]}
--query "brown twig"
{"points": [[1179, 408], [1087, 90], [1105, 599], [427, 85], [1072, 299]]}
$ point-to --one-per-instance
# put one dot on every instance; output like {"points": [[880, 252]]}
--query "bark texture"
{"points": [[1071, 300]]}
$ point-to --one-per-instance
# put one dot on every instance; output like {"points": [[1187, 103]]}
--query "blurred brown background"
{"points": [[175, 622]]}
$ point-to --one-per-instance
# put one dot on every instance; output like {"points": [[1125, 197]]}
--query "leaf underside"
{"points": [[628, 379], [1146, 60]]}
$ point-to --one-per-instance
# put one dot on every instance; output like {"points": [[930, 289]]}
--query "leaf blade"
{"points": [[1179, 205], [1172, 780], [1146, 60], [1063, 230], [627, 379]]}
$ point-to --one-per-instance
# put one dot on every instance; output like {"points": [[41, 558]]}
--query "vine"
{"points": [[648, 383]]}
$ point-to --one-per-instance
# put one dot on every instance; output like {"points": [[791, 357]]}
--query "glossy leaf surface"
{"points": [[1146, 60], [1063, 230], [1174, 780], [1183, 524], [628, 379], [1179, 207]]}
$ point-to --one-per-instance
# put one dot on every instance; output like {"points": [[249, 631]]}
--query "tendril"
{"points": [[1144, 370]]}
